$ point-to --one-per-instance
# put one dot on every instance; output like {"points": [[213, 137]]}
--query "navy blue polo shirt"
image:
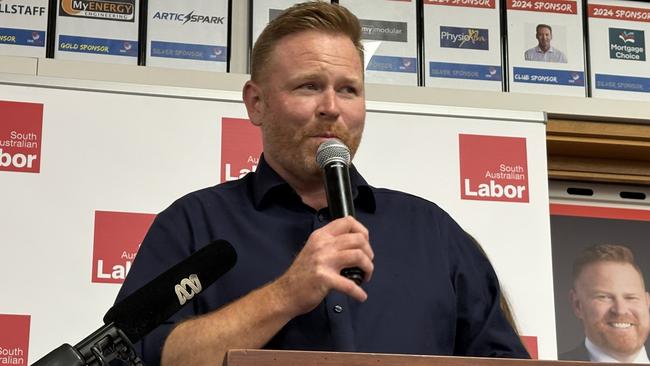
{"points": [[432, 291]]}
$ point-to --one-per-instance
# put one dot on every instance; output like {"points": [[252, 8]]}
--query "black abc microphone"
{"points": [[144, 310], [333, 157]]}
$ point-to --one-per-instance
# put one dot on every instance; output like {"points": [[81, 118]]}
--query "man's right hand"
{"points": [[343, 243], [254, 319]]}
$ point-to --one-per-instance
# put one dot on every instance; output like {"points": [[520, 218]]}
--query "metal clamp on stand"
{"points": [[98, 349]]}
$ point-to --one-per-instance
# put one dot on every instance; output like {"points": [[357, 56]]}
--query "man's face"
{"points": [[544, 37], [312, 90], [610, 299]]}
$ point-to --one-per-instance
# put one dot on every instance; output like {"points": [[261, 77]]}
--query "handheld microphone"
{"points": [[144, 310], [333, 157]]}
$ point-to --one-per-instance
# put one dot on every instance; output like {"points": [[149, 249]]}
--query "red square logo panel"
{"points": [[241, 147], [21, 126], [14, 339], [493, 168], [118, 236]]}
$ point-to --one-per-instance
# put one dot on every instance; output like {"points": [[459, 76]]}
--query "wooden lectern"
{"points": [[248, 357]]}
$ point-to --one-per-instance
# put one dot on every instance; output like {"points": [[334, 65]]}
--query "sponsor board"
{"points": [[465, 38], [20, 136], [241, 147], [115, 10], [117, 238], [14, 339], [626, 44], [493, 168]]}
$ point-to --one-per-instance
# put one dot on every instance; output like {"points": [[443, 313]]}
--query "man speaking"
{"points": [[610, 299], [424, 286]]}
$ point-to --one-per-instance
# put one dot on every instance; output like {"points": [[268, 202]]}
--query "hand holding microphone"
{"points": [[335, 253], [333, 157]]}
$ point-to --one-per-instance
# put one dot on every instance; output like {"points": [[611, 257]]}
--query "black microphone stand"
{"points": [[98, 349]]}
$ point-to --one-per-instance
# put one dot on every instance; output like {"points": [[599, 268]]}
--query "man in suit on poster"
{"points": [[610, 299]]}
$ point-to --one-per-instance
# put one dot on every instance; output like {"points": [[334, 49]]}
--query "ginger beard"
{"points": [[312, 91], [611, 301], [296, 149]]}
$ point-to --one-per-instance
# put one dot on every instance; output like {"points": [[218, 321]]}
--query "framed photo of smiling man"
{"points": [[601, 265], [545, 47]]}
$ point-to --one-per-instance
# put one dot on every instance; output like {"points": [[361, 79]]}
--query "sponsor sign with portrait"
{"points": [[617, 43], [545, 47], [23, 27], [462, 44], [188, 34], [97, 30], [389, 35]]}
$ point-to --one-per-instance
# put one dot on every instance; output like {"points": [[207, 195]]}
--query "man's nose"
{"points": [[619, 306], [329, 104]]}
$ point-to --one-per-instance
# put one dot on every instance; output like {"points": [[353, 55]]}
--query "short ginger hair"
{"points": [[604, 253], [314, 15]]}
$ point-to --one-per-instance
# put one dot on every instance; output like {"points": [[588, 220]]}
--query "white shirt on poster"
{"points": [[551, 55], [597, 354]]}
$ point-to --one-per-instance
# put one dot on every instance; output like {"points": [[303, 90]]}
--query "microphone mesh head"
{"points": [[332, 150]]}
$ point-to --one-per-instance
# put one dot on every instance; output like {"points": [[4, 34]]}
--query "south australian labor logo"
{"points": [[20, 136], [241, 147], [117, 238], [493, 168]]}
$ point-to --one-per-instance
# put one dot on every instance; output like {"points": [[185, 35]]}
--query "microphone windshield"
{"points": [[155, 302], [332, 150]]}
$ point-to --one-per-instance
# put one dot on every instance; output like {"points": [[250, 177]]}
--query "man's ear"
{"points": [[254, 102], [575, 303]]}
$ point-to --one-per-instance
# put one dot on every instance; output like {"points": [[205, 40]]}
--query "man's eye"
{"points": [[349, 90], [309, 86]]}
